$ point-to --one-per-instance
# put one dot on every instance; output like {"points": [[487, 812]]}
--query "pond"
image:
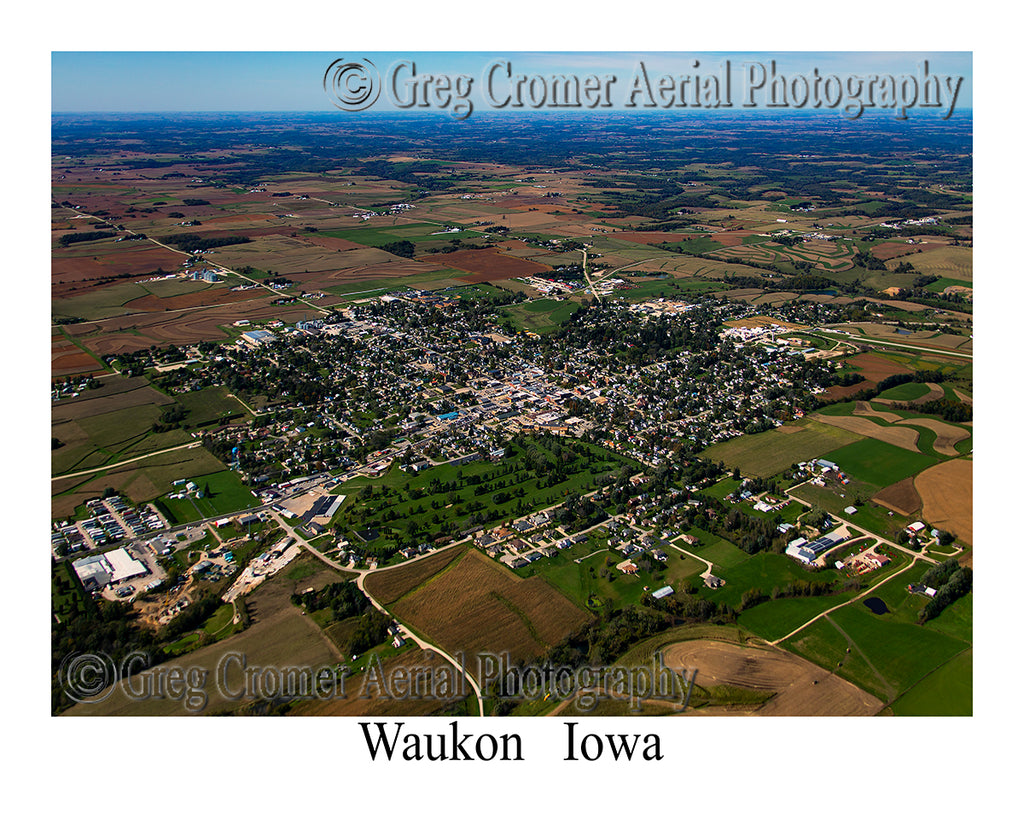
{"points": [[877, 605]]}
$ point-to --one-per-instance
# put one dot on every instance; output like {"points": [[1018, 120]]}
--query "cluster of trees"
{"points": [[87, 236], [952, 582], [171, 418], [403, 248], [191, 242], [956, 412], [103, 628], [343, 599]]}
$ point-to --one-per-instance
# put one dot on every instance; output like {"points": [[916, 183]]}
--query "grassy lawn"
{"points": [[581, 582], [223, 493], [764, 571]]}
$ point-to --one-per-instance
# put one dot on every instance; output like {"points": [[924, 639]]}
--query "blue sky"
{"points": [[293, 81]]}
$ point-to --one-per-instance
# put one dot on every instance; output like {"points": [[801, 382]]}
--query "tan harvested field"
{"points": [[901, 497], [946, 435], [865, 408], [934, 393], [219, 295], [947, 261], [802, 688], [68, 359], [387, 585], [279, 637], [947, 496], [477, 606], [898, 436], [112, 336]]}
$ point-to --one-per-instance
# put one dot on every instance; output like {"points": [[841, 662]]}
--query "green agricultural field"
{"points": [[769, 453], [905, 392], [374, 236], [944, 282], [777, 618], [947, 691], [898, 654], [878, 463]]}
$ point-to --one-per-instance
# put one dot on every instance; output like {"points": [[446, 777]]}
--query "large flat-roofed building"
{"points": [[258, 337], [97, 571]]}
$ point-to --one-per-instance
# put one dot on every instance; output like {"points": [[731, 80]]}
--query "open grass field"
{"points": [[542, 315], [223, 493], [592, 581], [774, 619], [764, 571], [770, 452], [475, 605]]}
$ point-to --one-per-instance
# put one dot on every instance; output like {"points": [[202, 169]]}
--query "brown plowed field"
{"points": [[893, 250], [901, 497], [902, 437], [487, 265], [947, 495], [137, 262], [802, 689], [156, 304], [478, 606], [873, 368]]}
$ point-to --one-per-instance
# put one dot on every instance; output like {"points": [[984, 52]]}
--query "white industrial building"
{"points": [[97, 571]]}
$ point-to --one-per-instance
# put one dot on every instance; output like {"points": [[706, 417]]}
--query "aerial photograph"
{"points": [[512, 385]]}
